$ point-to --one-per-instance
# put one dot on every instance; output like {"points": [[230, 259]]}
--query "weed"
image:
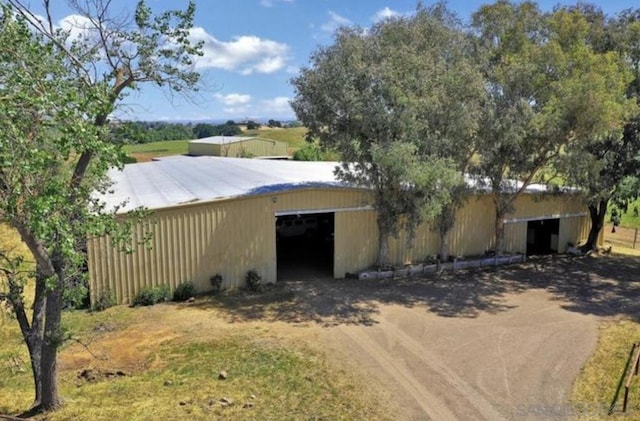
{"points": [[184, 291], [149, 296]]}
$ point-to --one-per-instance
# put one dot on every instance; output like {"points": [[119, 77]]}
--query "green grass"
{"points": [[293, 136], [268, 378], [628, 219], [276, 383], [165, 148], [596, 385]]}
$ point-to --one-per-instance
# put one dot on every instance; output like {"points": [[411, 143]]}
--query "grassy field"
{"points": [[146, 151], [628, 219], [594, 389], [164, 363], [294, 137]]}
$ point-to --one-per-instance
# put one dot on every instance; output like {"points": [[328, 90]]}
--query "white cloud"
{"points": [[335, 21], [233, 99], [385, 13], [236, 111], [77, 26], [246, 54], [270, 3], [277, 106]]}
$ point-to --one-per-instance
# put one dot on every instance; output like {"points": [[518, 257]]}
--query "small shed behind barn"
{"points": [[237, 147]]}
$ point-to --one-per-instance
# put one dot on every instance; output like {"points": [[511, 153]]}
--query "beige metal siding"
{"points": [[355, 242], [198, 149], [195, 242], [251, 147], [473, 232], [229, 237], [257, 147]]}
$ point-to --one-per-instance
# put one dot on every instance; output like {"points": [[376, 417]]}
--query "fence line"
{"points": [[625, 237]]}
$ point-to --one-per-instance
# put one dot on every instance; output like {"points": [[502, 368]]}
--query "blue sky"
{"points": [[254, 47]]}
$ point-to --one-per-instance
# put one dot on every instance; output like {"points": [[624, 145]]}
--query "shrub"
{"points": [[149, 296], [184, 291], [216, 283], [104, 301], [254, 281]]}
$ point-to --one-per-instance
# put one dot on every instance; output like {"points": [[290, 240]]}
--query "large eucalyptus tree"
{"points": [[400, 103], [548, 90]]}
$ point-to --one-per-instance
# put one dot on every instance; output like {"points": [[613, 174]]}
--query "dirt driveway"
{"points": [[488, 344]]}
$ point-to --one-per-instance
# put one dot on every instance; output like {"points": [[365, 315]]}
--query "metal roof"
{"points": [[177, 180]]}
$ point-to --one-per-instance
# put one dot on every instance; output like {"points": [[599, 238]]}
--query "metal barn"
{"points": [[226, 216], [237, 146]]}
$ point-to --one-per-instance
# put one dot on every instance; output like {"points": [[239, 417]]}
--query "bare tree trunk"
{"points": [[500, 213], [444, 247], [50, 399], [383, 244], [36, 337], [597, 213], [445, 222]]}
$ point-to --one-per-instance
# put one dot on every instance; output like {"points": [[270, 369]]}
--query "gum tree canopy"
{"points": [[58, 89], [393, 100], [549, 91]]}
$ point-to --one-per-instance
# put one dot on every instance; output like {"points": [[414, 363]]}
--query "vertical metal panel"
{"points": [[230, 237], [473, 232], [355, 242], [405, 250], [536, 205], [255, 147], [195, 242], [515, 237]]}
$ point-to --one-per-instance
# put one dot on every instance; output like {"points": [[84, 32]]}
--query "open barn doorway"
{"points": [[304, 245], [542, 236]]}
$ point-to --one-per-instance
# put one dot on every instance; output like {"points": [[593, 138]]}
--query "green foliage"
{"points": [[149, 296], [58, 90], [254, 281], [252, 125], [76, 295], [134, 132], [104, 301], [184, 291], [202, 130], [274, 123], [550, 92], [398, 125], [309, 152]]}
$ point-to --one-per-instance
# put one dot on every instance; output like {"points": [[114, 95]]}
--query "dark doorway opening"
{"points": [[542, 236], [304, 245]]}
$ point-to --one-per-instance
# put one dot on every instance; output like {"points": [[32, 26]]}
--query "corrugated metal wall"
{"points": [[251, 147], [195, 242], [230, 237]]}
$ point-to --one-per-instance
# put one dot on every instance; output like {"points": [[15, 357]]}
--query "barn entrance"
{"points": [[304, 245], [542, 236]]}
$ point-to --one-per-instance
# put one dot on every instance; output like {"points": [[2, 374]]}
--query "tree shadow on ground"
{"points": [[601, 286]]}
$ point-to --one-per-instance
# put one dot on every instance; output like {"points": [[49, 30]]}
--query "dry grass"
{"points": [[595, 388], [170, 356]]}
